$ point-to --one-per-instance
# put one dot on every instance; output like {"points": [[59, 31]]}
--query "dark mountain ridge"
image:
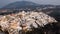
{"points": [[25, 4], [20, 4]]}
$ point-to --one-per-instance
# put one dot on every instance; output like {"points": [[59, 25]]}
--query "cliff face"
{"points": [[25, 21]]}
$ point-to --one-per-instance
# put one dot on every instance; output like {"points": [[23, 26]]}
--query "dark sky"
{"points": [[55, 2]]}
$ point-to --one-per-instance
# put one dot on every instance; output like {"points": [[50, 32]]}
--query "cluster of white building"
{"points": [[25, 21]]}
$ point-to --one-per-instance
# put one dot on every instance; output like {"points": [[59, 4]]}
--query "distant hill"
{"points": [[21, 4], [55, 12], [25, 4]]}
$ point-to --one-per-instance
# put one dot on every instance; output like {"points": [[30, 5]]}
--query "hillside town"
{"points": [[24, 21], [28, 17]]}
